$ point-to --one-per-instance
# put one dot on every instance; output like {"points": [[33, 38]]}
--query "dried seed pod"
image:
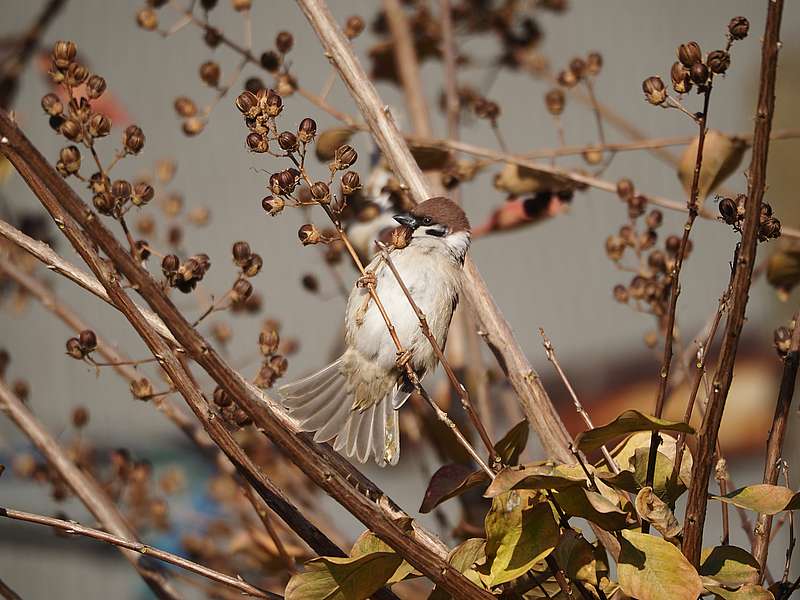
{"points": [[344, 157], [212, 37], [783, 341], [143, 249], [555, 100], [578, 67], [287, 181], [141, 388], [689, 54], [121, 190], [193, 126], [247, 103], [728, 210], [621, 294], [99, 125], [147, 19], [594, 63], [103, 203], [309, 234], [672, 244], [307, 130], [567, 78], [70, 159], [242, 290], [63, 53], [654, 219], [592, 156], [241, 253], [699, 73], [486, 109], [351, 182], [80, 417], [625, 189], [74, 349], [637, 204], [615, 247], [718, 61], [71, 130], [273, 104], [284, 42], [268, 341], [287, 141], [210, 73], [170, 265], [221, 397], [681, 81], [770, 228], [654, 90], [273, 205], [257, 142], [254, 85], [76, 74], [320, 192], [657, 260], [95, 86], [133, 139], [142, 193], [738, 28], [51, 104], [270, 60], [647, 239], [253, 265], [185, 107], [310, 283], [353, 26]]}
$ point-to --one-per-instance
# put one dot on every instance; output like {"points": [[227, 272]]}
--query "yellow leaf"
{"points": [[722, 155]]}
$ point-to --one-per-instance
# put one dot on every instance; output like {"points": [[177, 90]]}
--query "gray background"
{"points": [[555, 275]]}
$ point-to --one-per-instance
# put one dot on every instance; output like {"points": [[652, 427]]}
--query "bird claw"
{"points": [[403, 359], [367, 280]]}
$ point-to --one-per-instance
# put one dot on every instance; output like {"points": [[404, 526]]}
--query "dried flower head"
{"points": [[681, 80], [309, 234], [654, 90], [689, 54], [95, 86], [738, 28], [718, 61], [554, 101], [273, 205], [63, 53], [351, 183], [141, 388], [307, 130], [133, 139]]}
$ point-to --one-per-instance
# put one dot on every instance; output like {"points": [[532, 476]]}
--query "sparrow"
{"points": [[353, 402]]}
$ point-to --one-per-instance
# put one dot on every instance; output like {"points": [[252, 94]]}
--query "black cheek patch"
{"points": [[436, 232]]}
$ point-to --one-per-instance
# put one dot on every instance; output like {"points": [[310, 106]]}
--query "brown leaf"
{"points": [[515, 179], [722, 155], [513, 443], [536, 476], [450, 481], [651, 508], [329, 141], [627, 422], [429, 158]]}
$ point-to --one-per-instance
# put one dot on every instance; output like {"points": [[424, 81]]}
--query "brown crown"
{"points": [[443, 211]]}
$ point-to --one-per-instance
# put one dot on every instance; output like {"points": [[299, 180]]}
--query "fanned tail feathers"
{"points": [[322, 403]]}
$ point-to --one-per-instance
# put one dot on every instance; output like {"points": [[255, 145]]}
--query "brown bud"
{"points": [[718, 61], [578, 67], [636, 206], [769, 228], [654, 90], [657, 260], [592, 155], [309, 234], [253, 265], [52, 105], [241, 253], [487, 109], [728, 210], [210, 73], [242, 290], [783, 340], [141, 388], [133, 139], [320, 192], [268, 341], [567, 78], [647, 239], [88, 340], [270, 60], [351, 182], [70, 158], [147, 19], [310, 283], [554, 101], [594, 63], [699, 73], [284, 42], [247, 103], [672, 244], [185, 107], [681, 81], [353, 26], [689, 54], [121, 190], [99, 125], [738, 28], [273, 205], [654, 219], [287, 141], [103, 203], [63, 53], [193, 126], [142, 193], [80, 417], [95, 87], [615, 247], [307, 130], [257, 142], [169, 265], [71, 130], [344, 157], [221, 398], [285, 181], [621, 294], [273, 104], [74, 349], [625, 189], [76, 74]]}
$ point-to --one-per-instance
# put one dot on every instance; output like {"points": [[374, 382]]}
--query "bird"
{"points": [[354, 401]]}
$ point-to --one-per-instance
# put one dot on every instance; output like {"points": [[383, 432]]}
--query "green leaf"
{"points": [[513, 443], [537, 476], [593, 507], [627, 422], [749, 591], [651, 568], [728, 565], [368, 543], [450, 481], [333, 578], [763, 498], [517, 536]]}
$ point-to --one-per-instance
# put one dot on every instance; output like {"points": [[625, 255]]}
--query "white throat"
{"points": [[458, 244]]}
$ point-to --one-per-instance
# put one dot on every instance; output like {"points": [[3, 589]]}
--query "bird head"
{"points": [[439, 219]]}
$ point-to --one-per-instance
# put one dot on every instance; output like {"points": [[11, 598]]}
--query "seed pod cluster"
{"points": [[83, 345], [732, 212]]}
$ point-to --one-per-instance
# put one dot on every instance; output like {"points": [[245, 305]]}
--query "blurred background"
{"points": [[554, 274]]}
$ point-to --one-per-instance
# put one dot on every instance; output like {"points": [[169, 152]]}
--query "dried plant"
{"points": [[519, 535]]}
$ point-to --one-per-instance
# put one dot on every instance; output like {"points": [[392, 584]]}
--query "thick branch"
{"points": [[757, 175], [74, 528], [82, 484]]}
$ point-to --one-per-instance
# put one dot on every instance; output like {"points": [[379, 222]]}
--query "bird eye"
{"points": [[427, 221]]}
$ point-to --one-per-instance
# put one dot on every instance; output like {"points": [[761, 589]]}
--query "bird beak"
{"points": [[407, 220]]}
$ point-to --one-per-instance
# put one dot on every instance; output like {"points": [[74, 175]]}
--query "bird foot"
{"points": [[367, 280], [402, 359]]}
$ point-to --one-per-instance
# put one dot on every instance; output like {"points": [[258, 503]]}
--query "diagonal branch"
{"points": [[697, 502], [85, 487]]}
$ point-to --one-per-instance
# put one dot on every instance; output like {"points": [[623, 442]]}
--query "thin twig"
{"points": [[74, 528], [697, 502]]}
